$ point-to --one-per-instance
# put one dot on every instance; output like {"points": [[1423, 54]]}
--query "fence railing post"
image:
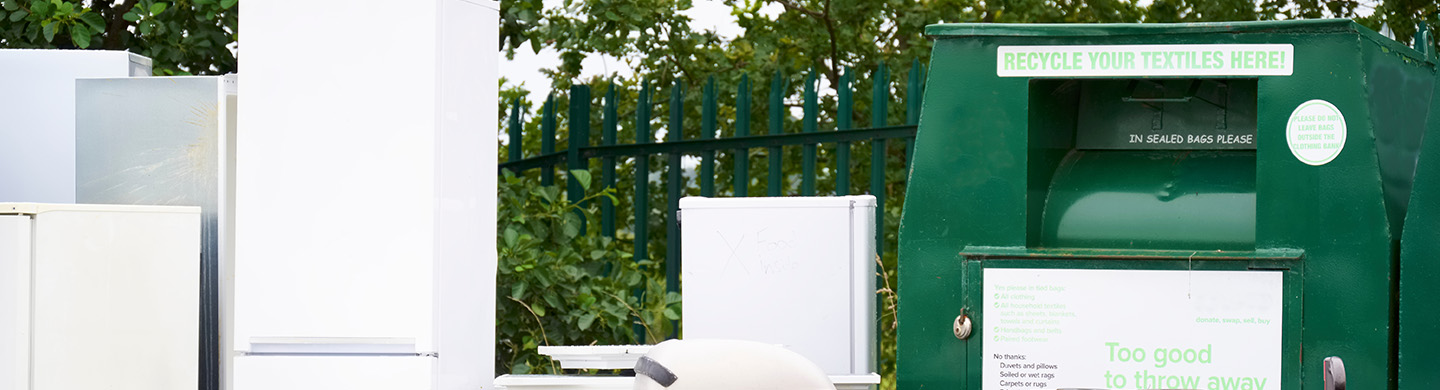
{"points": [[707, 131], [547, 139], [579, 122], [777, 124], [879, 105], [880, 93], [673, 185], [742, 129], [808, 125], [642, 175], [516, 151], [843, 115], [914, 96], [607, 163]]}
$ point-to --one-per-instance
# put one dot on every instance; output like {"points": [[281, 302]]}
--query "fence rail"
{"points": [[579, 152]]}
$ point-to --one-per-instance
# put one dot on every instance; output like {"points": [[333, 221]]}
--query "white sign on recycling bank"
{"points": [[1131, 329], [1315, 132]]}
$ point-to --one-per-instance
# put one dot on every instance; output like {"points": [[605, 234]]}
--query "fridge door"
{"points": [[14, 302], [351, 372], [116, 298]]}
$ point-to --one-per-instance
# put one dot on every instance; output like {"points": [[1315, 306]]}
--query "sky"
{"points": [[525, 68]]}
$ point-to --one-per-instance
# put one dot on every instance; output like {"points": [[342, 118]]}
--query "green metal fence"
{"points": [[580, 152]]}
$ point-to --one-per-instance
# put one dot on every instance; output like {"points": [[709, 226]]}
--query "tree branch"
{"points": [[116, 25], [834, 72]]}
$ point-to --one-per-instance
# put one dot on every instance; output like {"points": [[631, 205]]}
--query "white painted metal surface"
{"points": [[14, 302], [798, 272], [324, 372], [113, 295], [37, 98], [403, 126], [605, 357]]}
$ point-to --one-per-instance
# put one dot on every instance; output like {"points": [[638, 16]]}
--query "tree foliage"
{"points": [[562, 284], [181, 36]]}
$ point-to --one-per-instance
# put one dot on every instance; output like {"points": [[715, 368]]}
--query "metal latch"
{"points": [[1334, 373]]}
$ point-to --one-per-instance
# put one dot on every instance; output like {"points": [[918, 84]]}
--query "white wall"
{"points": [[365, 187]]}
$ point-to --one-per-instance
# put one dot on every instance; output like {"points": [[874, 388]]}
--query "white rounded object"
{"points": [[726, 364]]}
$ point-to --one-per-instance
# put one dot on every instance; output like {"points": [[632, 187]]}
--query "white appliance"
{"points": [[794, 271], [365, 220], [169, 141], [37, 98], [98, 296], [808, 263]]}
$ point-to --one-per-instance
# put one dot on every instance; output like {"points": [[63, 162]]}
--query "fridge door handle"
{"points": [[328, 346]]}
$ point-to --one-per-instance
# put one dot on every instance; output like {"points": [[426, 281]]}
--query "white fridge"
{"points": [[98, 296], [37, 98], [169, 141], [365, 230]]}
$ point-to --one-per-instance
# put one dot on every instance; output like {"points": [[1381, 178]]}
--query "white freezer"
{"points": [[98, 296], [37, 98], [816, 253]]}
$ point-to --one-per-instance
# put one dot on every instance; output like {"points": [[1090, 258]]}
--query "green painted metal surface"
{"points": [[809, 125], [547, 138], [741, 185], [608, 132], [643, 135], [579, 124], [843, 121], [1419, 305], [998, 181], [707, 131], [674, 183], [777, 126], [515, 132]]}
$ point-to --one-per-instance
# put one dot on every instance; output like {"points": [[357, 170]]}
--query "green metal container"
{"points": [[1207, 206]]}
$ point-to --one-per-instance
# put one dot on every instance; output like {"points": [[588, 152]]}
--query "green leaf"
{"points": [[80, 35], [39, 7], [520, 368], [539, 310], [572, 225], [670, 314], [582, 176], [157, 8], [131, 16], [64, 8], [49, 30], [511, 236], [94, 20], [145, 28], [15, 17], [518, 289], [11, 5], [552, 298], [226, 4], [586, 320]]}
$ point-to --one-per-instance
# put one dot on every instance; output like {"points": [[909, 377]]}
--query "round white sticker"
{"points": [[1316, 132]]}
